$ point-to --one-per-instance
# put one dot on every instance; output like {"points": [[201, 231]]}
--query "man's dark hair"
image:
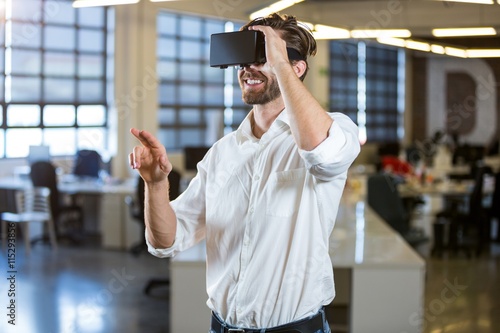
{"points": [[297, 36]]}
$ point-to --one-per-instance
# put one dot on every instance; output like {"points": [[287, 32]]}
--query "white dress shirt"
{"points": [[266, 209]]}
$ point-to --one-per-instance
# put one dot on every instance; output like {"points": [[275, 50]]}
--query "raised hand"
{"points": [[150, 158], [275, 46]]}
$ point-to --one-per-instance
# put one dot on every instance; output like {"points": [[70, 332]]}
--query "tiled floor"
{"points": [[84, 290], [462, 295], [87, 290]]}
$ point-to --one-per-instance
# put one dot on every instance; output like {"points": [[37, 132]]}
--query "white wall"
{"points": [[486, 96]]}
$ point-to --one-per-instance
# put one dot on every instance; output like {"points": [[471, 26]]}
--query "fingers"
{"points": [[135, 157], [146, 138], [151, 154], [131, 161], [275, 45], [164, 164], [258, 27], [266, 30]]}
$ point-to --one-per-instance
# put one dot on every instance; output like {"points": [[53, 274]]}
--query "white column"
{"points": [[136, 83], [317, 79]]}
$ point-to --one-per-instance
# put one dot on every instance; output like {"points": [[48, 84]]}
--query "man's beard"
{"points": [[270, 93]]}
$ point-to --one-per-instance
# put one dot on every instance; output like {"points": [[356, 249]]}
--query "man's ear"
{"points": [[299, 67]]}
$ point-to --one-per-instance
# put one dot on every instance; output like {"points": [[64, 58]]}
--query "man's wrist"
{"points": [[156, 186]]}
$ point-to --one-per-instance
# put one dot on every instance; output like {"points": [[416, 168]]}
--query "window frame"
{"points": [[42, 22], [377, 123], [228, 109]]}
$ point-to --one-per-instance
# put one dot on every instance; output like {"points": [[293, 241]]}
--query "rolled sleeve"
{"points": [[164, 253], [337, 152]]}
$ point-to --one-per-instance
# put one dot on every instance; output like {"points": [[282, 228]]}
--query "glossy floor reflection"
{"points": [[462, 295], [83, 290], [89, 290]]}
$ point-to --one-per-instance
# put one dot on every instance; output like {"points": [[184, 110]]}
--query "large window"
{"points": [[198, 104], [367, 84], [54, 76]]}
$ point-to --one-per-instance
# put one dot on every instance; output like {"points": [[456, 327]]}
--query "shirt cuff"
{"points": [[327, 149], [161, 253]]}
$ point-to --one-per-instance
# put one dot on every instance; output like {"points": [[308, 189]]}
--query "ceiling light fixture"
{"points": [[438, 49], [392, 41], [455, 52], [380, 33], [273, 8], [419, 46], [484, 2], [454, 32], [483, 53], [97, 3], [321, 31]]}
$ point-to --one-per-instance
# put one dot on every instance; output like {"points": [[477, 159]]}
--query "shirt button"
{"points": [[257, 177], [250, 210]]}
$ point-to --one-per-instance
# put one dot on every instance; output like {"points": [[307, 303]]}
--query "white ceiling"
{"points": [[420, 16]]}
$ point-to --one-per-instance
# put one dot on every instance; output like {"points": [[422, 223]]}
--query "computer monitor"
{"points": [[87, 164], [192, 155], [38, 153], [468, 154]]}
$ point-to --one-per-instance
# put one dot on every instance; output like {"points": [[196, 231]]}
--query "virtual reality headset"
{"points": [[241, 48]]}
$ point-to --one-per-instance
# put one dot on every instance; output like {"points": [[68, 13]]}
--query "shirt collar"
{"points": [[244, 131]]}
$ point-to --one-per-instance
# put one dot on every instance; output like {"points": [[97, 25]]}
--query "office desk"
{"points": [[442, 189], [378, 276], [104, 207]]}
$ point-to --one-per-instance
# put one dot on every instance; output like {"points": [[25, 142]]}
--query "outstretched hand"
{"points": [[150, 158]]}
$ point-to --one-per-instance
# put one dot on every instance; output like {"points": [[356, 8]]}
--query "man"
{"points": [[265, 197]]}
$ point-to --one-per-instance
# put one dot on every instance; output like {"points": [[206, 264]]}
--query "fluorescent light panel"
{"points": [[97, 3], [392, 41], [484, 2], [453, 32], [455, 52], [273, 8], [379, 33], [438, 49], [483, 53], [321, 31], [419, 46]]}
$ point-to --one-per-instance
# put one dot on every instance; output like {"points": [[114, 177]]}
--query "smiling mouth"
{"points": [[253, 81]]}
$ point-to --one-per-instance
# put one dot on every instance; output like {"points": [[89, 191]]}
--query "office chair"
{"points": [[493, 211], [43, 174], [137, 212], [7, 200], [87, 163], [32, 205], [467, 221], [384, 198], [193, 155]]}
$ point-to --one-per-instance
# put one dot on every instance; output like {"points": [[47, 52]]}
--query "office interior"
{"points": [[440, 126]]}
